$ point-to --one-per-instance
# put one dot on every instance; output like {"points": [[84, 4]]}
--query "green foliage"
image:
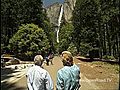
{"points": [[2, 48], [84, 49], [107, 57], [106, 65], [72, 49], [94, 53], [96, 22], [17, 12], [49, 32], [84, 22], [29, 40], [65, 36]]}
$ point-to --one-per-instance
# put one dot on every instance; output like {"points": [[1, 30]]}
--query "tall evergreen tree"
{"points": [[96, 22], [17, 12], [84, 21], [65, 36]]}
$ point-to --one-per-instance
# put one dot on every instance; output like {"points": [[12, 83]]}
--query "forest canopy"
{"points": [[94, 28]]}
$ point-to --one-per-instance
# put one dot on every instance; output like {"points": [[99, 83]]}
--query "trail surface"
{"points": [[17, 80]]}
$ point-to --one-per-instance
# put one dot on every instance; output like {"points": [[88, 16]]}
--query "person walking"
{"points": [[68, 77], [37, 77], [50, 57]]}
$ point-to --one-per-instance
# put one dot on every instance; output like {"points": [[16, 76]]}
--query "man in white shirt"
{"points": [[37, 77]]}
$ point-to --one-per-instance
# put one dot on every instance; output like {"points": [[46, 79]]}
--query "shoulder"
{"points": [[42, 70], [45, 74], [30, 69], [63, 70], [60, 70], [75, 66], [45, 71], [36, 68]]}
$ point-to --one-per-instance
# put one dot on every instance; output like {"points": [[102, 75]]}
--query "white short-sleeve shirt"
{"points": [[38, 79]]}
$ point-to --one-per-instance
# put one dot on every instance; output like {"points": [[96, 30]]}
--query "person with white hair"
{"points": [[68, 77], [37, 77]]}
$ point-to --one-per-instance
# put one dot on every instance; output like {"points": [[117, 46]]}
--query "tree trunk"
{"points": [[100, 39], [104, 41], [108, 39]]}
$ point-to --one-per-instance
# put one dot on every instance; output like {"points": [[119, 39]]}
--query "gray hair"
{"points": [[38, 59]]}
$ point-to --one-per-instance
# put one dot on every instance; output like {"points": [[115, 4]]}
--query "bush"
{"points": [[28, 41], [107, 57], [4, 49], [94, 53], [72, 49], [65, 36], [84, 48]]}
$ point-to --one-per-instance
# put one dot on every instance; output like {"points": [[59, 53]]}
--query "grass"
{"points": [[114, 67]]}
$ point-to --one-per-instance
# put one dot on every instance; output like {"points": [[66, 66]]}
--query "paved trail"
{"points": [[52, 69]]}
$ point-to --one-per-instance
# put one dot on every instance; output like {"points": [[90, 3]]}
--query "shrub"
{"points": [[94, 53], [84, 48], [108, 57], [65, 36], [72, 49], [28, 41]]}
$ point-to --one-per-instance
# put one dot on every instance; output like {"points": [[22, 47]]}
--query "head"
{"points": [[38, 60], [67, 58]]}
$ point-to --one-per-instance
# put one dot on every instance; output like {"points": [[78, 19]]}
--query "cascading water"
{"points": [[59, 22]]}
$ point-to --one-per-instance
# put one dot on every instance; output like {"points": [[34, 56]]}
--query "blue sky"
{"points": [[49, 2]]}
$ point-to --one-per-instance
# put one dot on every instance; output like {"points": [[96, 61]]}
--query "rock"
{"points": [[68, 9], [24, 66], [53, 11], [16, 67], [98, 66]]}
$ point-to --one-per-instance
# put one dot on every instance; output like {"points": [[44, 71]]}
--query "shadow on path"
{"points": [[8, 86], [7, 73]]}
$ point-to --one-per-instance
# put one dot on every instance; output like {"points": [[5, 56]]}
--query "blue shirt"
{"points": [[68, 78], [39, 79]]}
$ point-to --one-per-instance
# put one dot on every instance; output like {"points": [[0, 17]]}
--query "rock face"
{"points": [[53, 11], [68, 9]]}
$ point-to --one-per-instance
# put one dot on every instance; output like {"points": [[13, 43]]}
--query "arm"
{"points": [[48, 82], [60, 82], [28, 83]]}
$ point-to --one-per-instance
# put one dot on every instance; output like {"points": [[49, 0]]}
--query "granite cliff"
{"points": [[53, 11], [68, 9]]}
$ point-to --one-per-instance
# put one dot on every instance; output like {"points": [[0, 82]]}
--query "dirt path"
{"points": [[85, 83], [52, 69], [92, 77], [98, 74]]}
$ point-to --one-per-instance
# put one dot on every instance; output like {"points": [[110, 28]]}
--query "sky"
{"points": [[49, 2]]}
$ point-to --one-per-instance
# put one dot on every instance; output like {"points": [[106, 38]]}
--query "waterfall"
{"points": [[59, 22], [60, 15], [58, 35]]}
